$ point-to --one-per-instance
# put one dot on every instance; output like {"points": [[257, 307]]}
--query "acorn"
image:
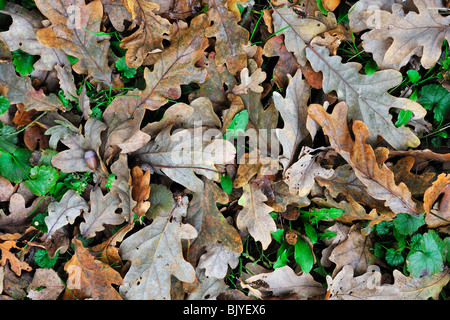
{"points": [[91, 159]]}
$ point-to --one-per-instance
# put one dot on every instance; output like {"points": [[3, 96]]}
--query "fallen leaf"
{"points": [[73, 30], [211, 225], [367, 103], [230, 36], [397, 36], [255, 215], [89, 278], [354, 251], [64, 212], [102, 212], [46, 285], [330, 5], [379, 181], [217, 259], [182, 154], [149, 36], [155, 253], [17, 265], [284, 281], [140, 190]]}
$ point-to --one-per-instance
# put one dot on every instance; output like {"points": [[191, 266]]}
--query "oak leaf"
{"points": [[216, 260], [396, 36], [22, 35], [284, 281], [147, 39], [230, 36], [156, 254], [211, 226], [298, 32], [46, 285], [140, 190], [73, 29], [184, 153], [20, 90], [122, 186], [367, 102], [255, 216], [436, 218], [89, 278], [64, 212], [379, 180], [8, 242], [102, 211], [73, 159]]}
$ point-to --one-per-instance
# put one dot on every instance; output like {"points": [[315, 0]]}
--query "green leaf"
{"points": [[237, 125], [126, 71], [23, 62], [310, 232], [2, 4], [407, 224], [447, 248], [383, 227], [42, 180], [413, 75], [371, 67], [378, 250], [325, 213], [16, 166], [435, 97], [403, 117], [394, 258], [42, 259], [39, 222], [226, 183], [303, 255], [110, 180], [428, 261], [282, 259], [278, 235], [4, 104], [161, 200]]}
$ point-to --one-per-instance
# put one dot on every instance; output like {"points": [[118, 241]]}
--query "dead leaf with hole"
{"points": [[46, 285]]}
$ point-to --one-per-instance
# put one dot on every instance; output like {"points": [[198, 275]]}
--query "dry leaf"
{"points": [[46, 285], [397, 36], [284, 281], [211, 226], [255, 215], [217, 259], [366, 102], [8, 242], [147, 39], [230, 36], [89, 278], [102, 211], [72, 30], [379, 181], [140, 190], [155, 253]]}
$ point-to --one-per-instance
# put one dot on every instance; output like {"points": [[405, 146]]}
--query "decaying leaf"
{"points": [[379, 181], [255, 215], [284, 281], [397, 36], [140, 190], [366, 102], [73, 29], [182, 154], [216, 260], [102, 212], [89, 278], [46, 285], [230, 37], [147, 39], [8, 242], [209, 222], [155, 253]]}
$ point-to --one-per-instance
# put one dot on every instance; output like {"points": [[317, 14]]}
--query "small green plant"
{"points": [[298, 242], [401, 245]]}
